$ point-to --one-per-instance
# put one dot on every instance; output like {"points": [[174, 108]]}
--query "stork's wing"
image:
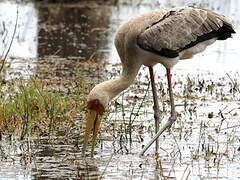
{"points": [[183, 28]]}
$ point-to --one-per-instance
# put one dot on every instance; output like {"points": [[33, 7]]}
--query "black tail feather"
{"points": [[225, 32]]}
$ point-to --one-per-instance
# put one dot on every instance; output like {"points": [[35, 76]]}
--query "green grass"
{"points": [[34, 108]]}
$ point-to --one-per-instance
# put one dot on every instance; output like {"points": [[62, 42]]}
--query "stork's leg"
{"points": [[172, 118], [155, 107]]}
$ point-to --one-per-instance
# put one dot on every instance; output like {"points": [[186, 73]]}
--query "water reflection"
{"points": [[73, 30]]}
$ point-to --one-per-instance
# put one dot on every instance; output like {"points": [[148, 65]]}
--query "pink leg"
{"points": [[173, 116], [170, 121], [155, 107]]}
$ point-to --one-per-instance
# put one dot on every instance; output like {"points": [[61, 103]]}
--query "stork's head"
{"points": [[97, 101]]}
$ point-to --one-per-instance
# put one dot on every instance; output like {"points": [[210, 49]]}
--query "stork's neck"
{"points": [[107, 90], [116, 86]]}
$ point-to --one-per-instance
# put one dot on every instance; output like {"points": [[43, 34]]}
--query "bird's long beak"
{"points": [[93, 123]]}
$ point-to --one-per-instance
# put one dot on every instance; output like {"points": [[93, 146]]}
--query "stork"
{"points": [[163, 36]]}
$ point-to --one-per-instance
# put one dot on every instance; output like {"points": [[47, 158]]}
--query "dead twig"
{"points": [[10, 45]]}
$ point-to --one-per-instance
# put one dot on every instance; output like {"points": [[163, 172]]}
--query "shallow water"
{"points": [[203, 144]]}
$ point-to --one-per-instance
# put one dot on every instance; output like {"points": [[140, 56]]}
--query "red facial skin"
{"points": [[95, 105]]}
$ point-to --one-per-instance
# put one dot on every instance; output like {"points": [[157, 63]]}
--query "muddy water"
{"points": [[204, 142]]}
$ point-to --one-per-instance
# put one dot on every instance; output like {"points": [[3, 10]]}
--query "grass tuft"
{"points": [[30, 107]]}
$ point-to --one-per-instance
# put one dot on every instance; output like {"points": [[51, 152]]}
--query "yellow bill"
{"points": [[93, 124]]}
